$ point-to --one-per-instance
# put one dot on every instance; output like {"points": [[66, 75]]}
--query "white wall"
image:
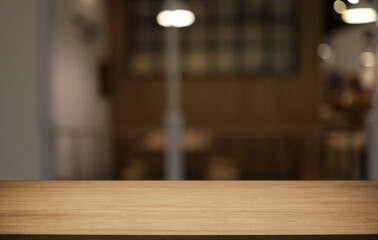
{"points": [[347, 44], [373, 127], [36, 67], [79, 111], [23, 68], [373, 138], [76, 100]]}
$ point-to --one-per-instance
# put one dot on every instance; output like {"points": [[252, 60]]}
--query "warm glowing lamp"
{"points": [[339, 6], [175, 14], [359, 13], [367, 59]]}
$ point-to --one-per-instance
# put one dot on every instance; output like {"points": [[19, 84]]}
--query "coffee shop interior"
{"points": [[188, 90]]}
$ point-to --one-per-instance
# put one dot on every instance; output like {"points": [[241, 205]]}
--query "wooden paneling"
{"points": [[274, 101], [292, 98]]}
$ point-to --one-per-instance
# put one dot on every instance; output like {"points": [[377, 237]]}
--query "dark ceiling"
{"points": [[332, 19]]}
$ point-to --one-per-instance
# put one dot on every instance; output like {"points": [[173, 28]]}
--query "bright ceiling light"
{"points": [[324, 51], [339, 6], [175, 14], [175, 18], [367, 59], [359, 13], [353, 1], [163, 18]]}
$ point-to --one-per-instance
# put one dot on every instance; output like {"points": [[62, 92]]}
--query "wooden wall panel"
{"points": [[292, 98], [280, 106]]}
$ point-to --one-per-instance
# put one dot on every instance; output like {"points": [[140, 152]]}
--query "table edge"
{"points": [[190, 237]]}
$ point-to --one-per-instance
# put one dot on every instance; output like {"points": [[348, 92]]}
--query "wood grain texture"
{"points": [[200, 208]]}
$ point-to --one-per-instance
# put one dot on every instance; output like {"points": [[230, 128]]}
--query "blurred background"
{"points": [[209, 90]]}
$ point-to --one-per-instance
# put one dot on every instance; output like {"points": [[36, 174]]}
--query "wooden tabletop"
{"points": [[189, 209]]}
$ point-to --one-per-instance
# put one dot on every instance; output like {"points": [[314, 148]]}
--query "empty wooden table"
{"points": [[188, 210]]}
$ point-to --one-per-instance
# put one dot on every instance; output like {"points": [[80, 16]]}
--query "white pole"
{"points": [[174, 162]]}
